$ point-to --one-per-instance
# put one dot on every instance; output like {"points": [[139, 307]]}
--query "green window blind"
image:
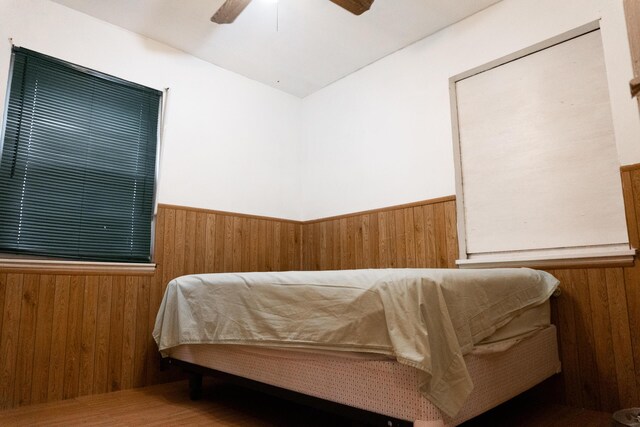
{"points": [[77, 171]]}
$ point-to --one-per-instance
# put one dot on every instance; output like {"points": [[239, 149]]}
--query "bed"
{"points": [[428, 346]]}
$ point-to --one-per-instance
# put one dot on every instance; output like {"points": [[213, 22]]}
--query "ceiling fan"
{"points": [[230, 9]]}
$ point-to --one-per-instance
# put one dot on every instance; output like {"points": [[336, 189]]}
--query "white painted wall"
{"points": [[379, 137], [230, 143], [382, 136]]}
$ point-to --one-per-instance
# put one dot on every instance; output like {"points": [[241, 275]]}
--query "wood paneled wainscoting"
{"points": [[65, 334], [68, 334], [421, 234]]}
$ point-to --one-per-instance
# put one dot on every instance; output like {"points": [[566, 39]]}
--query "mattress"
{"points": [[385, 386]]}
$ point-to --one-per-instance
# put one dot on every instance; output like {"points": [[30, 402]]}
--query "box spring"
{"points": [[385, 386]]}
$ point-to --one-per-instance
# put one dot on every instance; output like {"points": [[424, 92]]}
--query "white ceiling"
{"points": [[298, 46]]}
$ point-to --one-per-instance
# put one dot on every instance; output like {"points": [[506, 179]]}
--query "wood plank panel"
{"points": [[27, 334], [383, 240], [313, 246], [189, 266], [630, 209], [421, 249], [322, 237], [179, 244], [237, 242], [44, 327], [251, 246], [243, 233], [266, 250], [365, 254], [410, 236], [103, 332], [295, 245], [59, 338], [209, 240], [336, 248], [318, 234], [632, 200], [351, 242], [9, 343], [398, 234], [632, 291], [430, 236], [607, 376], [451, 233], [315, 236], [116, 326], [585, 339], [129, 322], [567, 338], [392, 243], [145, 346], [3, 288], [262, 246], [623, 354], [374, 238], [440, 235], [307, 248], [74, 337], [322, 233], [228, 243], [553, 391], [284, 247], [219, 254], [200, 247], [277, 232], [347, 242], [87, 353]]}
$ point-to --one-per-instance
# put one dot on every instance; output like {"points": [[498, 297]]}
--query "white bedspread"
{"points": [[424, 318]]}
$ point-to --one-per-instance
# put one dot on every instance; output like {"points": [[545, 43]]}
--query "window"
{"points": [[78, 160], [538, 171]]}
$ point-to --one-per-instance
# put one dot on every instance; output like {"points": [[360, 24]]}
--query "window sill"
{"points": [[39, 266], [619, 258]]}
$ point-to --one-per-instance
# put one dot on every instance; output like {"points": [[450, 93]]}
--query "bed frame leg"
{"points": [[195, 386]]}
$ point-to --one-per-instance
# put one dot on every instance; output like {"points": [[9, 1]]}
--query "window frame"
{"points": [[20, 262], [544, 258]]}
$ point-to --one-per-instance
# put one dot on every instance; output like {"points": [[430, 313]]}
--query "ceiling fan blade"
{"points": [[229, 11], [357, 7]]}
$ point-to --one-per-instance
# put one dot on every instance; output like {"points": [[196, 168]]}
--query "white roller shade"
{"points": [[538, 160]]}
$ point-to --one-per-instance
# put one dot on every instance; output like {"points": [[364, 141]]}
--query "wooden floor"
{"points": [[225, 405]]}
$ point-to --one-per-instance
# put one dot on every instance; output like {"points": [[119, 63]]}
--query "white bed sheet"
{"points": [[519, 328]]}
